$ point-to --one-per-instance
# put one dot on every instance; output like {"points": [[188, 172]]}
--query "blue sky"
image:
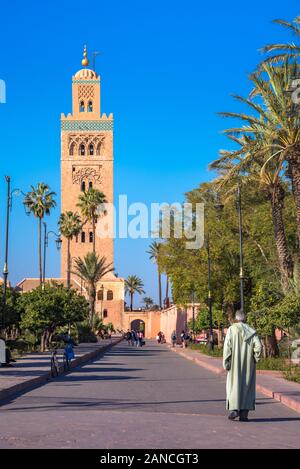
{"points": [[167, 67]]}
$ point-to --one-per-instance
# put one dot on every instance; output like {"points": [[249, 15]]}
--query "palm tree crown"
{"points": [[91, 269], [133, 284], [283, 51], [91, 204], [70, 224], [40, 200]]}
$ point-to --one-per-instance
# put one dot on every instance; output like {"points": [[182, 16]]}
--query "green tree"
{"points": [[91, 269], [91, 204], [274, 133], [133, 284], [46, 309], [70, 225], [248, 167], [12, 312], [40, 201]]}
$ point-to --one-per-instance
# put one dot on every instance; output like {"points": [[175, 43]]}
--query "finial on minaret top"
{"points": [[85, 60]]}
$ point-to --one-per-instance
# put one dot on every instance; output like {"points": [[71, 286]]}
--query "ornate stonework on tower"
{"points": [[87, 161]]}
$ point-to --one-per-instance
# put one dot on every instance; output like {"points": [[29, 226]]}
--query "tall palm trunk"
{"points": [[159, 287], [276, 196], [167, 292], [294, 174], [69, 264], [94, 235], [131, 301], [92, 300], [40, 250]]}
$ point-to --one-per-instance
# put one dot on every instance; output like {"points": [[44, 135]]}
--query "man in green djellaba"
{"points": [[242, 350]]}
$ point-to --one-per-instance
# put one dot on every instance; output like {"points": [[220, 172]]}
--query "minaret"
{"points": [[86, 158]]}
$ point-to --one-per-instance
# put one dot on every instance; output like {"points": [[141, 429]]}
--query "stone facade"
{"points": [[87, 161]]}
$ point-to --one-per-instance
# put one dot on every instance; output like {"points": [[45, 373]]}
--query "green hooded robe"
{"points": [[242, 350]]}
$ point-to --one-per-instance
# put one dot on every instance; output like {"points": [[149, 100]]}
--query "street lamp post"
{"points": [[239, 207], [193, 309], [5, 269], [211, 339], [58, 242]]}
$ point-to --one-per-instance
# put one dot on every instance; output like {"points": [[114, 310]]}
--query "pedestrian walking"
{"points": [[128, 337], [140, 339], [136, 338], [132, 338], [183, 339], [158, 337], [242, 350], [173, 338]]}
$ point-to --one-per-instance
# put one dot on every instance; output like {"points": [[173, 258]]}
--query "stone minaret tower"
{"points": [[86, 158]]}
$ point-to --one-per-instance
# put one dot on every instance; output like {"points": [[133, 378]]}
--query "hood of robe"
{"points": [[247, 331]]}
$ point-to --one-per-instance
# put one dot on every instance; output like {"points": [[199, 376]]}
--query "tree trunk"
{"points": [[293, 172], [167, 292], [92, 300], [94, 234], [69, 264], [159, 288], [272, 349], [40, 250], [276, 197], [131, 301]]}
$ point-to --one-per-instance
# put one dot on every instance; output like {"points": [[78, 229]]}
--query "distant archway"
{"points": [[138, 325]]}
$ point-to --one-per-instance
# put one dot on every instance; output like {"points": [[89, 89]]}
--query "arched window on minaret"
{"points": [[81, 106], [83, 186], [82, 149], [90, 185], [72, 147], [98, 149], [90, 106], [83, 237], [91, 149]]}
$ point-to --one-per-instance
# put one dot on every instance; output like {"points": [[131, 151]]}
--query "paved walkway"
{"points": [[270, 383], [141, 398], [34, 368]]}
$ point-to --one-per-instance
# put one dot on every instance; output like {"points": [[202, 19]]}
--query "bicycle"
{"points": [[54, 362]]}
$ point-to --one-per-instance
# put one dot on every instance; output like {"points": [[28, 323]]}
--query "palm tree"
{"points": [[91, 205], [271, 139], [154, 250], [133, 284], [250, 169], [69, 225], [40, 201], [91, 269], [148, 302], [288, 50]]}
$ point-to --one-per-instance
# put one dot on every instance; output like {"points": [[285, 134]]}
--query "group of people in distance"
{"points": [[160, 338], [135, 338]]}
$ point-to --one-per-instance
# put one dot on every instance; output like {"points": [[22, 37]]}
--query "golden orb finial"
{"points": [[85, 61]]}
